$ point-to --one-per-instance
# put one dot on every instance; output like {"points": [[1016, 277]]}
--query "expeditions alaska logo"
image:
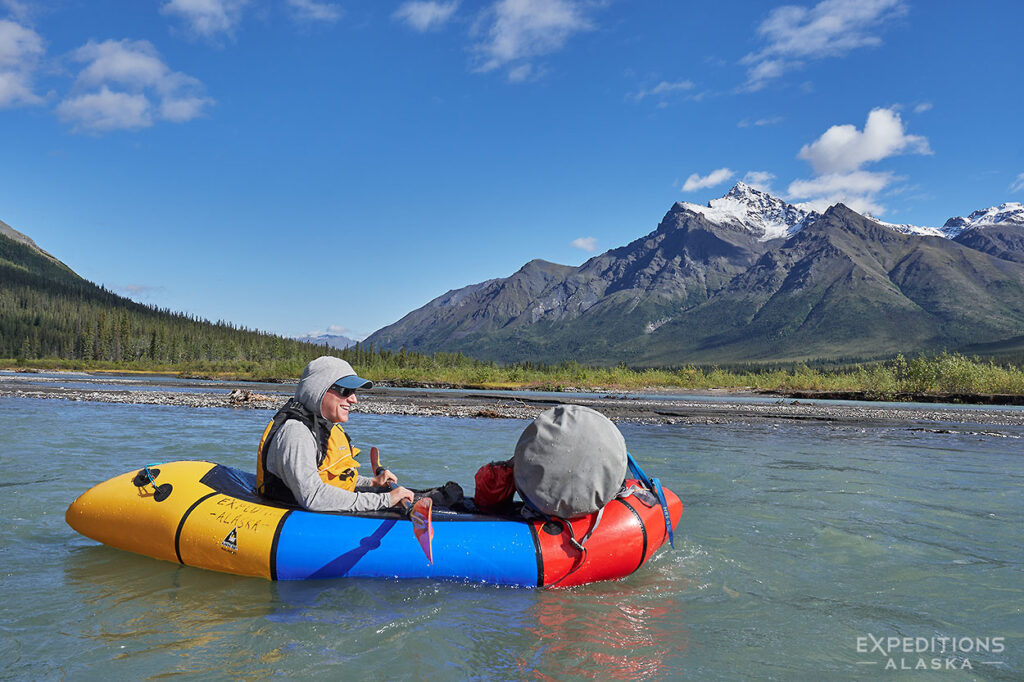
{"points": [[931, 653], [230, 543]]}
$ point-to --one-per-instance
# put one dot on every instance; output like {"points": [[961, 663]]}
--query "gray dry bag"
{"points": [[570, 461]]}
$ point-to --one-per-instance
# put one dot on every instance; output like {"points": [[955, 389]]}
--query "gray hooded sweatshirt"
{"points": [[292, 453]]}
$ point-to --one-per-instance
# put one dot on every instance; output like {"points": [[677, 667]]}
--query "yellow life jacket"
{"points": [[335, 460], [339, 465]]}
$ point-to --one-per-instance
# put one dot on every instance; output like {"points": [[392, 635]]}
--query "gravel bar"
{"points": [[454, 403]]}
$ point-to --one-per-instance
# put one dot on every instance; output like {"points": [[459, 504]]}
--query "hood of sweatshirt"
{"points": [[320, 375]]}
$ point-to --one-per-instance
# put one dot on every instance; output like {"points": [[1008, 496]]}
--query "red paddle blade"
{"points": [[422, 527], [374, 459]]}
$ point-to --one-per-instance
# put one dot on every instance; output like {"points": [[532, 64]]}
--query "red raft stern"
{"points": [[629, 533]]}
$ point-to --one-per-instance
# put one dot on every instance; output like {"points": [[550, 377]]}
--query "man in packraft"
{"points": [[306, 458]]}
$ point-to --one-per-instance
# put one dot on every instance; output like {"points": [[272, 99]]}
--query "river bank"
{"points": [[943, 378], [709, 407]]}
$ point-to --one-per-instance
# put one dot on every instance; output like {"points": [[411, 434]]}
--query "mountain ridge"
{"points": [[747, 277], [338, 341]]}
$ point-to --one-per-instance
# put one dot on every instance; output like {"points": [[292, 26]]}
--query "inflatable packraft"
{"points": [[207, 515]]}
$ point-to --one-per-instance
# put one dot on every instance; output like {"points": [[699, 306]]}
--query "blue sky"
{"points": [[305, 165]]}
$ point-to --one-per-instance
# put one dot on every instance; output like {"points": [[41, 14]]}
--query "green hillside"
{"points": [[49, 312]]}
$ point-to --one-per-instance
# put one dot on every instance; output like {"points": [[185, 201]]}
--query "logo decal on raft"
{"points": [[230, 543]]}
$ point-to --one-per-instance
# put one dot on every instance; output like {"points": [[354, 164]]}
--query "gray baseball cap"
{"points": [[353, 380]]}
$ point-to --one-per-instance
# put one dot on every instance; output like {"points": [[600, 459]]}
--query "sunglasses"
{"points": [[343, 392]]}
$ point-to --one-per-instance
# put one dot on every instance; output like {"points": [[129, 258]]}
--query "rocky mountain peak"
{"points": [[540, 265], [745, 192], [1007, 213], [763, 214]]}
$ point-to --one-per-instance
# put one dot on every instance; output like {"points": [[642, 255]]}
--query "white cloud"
{"points": [[332, 330], [715, 177], [131, 63], [17, 42], [664, 88], [15, 89], [182, 109], [860, 204], [746, 123], [843, 148], [762, 72], [829, 29], [588, 244], [523, 29], [17, 9], [837, 158], [425, 15], [20, 50], [207, 18], [521, 73], [213, 18], [311, 10], [923, 107], [761, 180], [138, 291], [125, 77], [107, 110], [1018, 184], [856, 183]]}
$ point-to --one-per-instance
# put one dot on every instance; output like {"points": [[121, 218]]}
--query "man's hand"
{"points": [[400, 495], [384, 479]]}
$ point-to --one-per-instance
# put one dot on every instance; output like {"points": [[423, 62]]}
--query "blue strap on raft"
{"points": [[654, 485], [147, 476]]}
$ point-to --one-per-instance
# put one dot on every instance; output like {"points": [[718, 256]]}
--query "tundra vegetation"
{"points": [[899, 378]]}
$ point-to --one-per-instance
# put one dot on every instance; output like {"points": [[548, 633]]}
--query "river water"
{"points": [[803, 548]]}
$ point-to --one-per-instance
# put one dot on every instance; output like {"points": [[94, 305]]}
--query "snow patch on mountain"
{"points": [[1010, 212], [904, 228], [772, 218], [759, 212]]}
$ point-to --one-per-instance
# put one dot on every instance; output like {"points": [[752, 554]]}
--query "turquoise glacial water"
{"points": [[800, 546]]}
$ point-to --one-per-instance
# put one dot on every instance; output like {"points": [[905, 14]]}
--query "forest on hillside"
{"points": [[49, 312], [51, 317], [101, 326]]}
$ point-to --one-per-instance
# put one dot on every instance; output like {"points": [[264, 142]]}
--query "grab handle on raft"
{"points": [[654, 485], [147, 476], [420, 512]]}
